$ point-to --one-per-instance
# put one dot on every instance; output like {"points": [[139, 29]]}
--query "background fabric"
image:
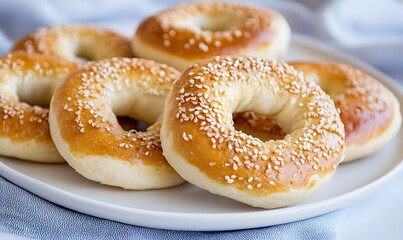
{"points": [[369, 29]]}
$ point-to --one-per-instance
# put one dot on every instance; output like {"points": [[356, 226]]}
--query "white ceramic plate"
{"points": [[189, 208]]}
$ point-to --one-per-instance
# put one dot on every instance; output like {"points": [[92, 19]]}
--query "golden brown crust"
{"points": [[81, 108], [367, 109], [249, 28], [92, 42], [22, 122], [197, 127]]}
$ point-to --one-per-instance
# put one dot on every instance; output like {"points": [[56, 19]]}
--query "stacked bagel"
{"points": [[236, 121]]}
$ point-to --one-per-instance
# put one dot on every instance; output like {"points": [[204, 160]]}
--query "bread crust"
{"points": [[76, 43], [200, 142], [86, 132], [24, 127], [181, 35]]}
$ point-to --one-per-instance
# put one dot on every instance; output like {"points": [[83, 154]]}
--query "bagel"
{"points": [[369, 111], [181, 35], [202, 145], [83, 112], [77, 43], [27, 83]]}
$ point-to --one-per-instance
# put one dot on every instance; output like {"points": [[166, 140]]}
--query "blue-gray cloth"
{"points": [[25, 214]]}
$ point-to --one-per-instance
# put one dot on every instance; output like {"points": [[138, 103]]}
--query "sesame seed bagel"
{"points": [[369, 111], [27, 83], [184, 34], [202, 145], [75, 43], [85, 129]]}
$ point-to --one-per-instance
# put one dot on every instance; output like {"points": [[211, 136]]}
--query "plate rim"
{"points": [[250, 219], [301, 212]]}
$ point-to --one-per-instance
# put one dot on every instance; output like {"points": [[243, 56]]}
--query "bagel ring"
{"points": [[83, 112], [24, 128], [369, 111], [202, 145], [75, 43], [188, 32]]}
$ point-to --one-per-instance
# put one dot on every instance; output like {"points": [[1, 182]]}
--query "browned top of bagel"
{"points": [[366, 106], [21, 121], [172, 30], [79, 106], [52, 40], [279, 166]]}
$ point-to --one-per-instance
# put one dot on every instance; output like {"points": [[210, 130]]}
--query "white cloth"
{"points": [[369, 29]]}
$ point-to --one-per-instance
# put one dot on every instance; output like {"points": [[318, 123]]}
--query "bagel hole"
{"points": [[128, 124], [44, 105], [258, 126], [212, 22], [35, 96], [82, 55], [220, 23], [84, 51]]}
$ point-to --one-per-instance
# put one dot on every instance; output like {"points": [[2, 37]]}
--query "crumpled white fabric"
{"points": [[369, 29]]}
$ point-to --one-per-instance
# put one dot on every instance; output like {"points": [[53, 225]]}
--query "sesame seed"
{"points": [[167, 43], [185, 137]]}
